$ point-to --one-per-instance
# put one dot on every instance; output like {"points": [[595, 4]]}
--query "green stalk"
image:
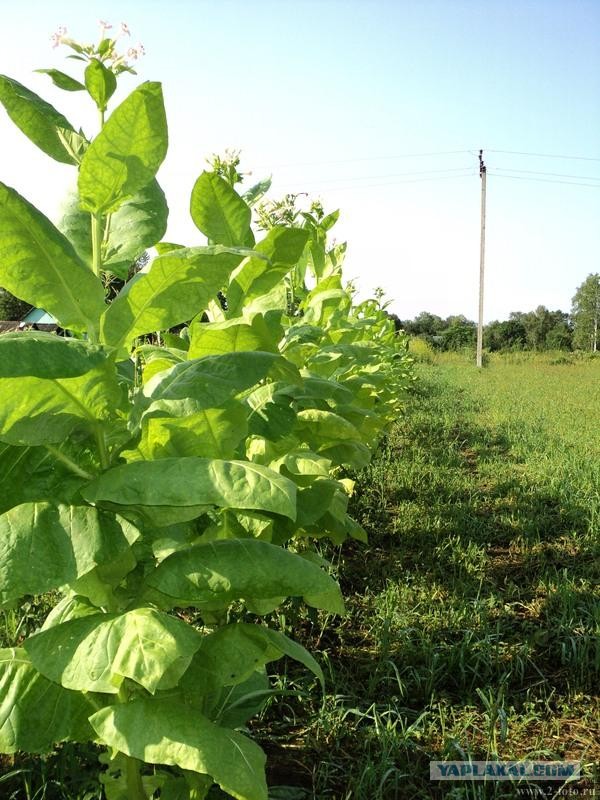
{"points": [[97, 243], [102, 449], [68, 462], [97, 232], [133, 775]]}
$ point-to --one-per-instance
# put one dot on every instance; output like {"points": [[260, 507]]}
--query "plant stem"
{"points": [[102, 449], [68, 462], [133, 775], [96, 243], [97, 232], [135, 787]]}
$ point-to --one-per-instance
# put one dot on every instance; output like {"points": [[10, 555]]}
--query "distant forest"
{"points": [[532, 330]]}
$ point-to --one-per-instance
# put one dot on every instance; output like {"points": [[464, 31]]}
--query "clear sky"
{"points": [[376, 107]]}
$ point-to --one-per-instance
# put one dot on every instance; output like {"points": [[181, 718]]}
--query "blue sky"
{"points": [[343, 99]]}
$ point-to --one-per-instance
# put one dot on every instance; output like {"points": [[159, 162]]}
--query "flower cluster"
{"points": [[105, 50], [58, 36]]}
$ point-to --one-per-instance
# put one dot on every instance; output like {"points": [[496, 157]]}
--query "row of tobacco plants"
{"points": [[169, 464]]}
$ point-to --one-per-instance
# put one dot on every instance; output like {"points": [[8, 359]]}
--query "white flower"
{"points": [[104, 25], [136, 52], [125, 29], [58, 37]]}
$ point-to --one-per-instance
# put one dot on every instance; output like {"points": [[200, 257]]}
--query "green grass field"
{"points": [[474, 612], [474, 625]]}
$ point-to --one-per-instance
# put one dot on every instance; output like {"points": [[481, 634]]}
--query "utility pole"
{"points": [[482, 175]]}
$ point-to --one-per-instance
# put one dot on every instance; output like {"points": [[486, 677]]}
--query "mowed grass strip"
{"points": [[474, 625]]}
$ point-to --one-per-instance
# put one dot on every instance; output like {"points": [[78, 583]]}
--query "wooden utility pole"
{"points": [[482, 175]]}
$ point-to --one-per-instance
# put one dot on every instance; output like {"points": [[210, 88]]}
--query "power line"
{"points": [[317, 187], [393, 175], [544, 180], [397, 156], [552, 174], [544, 155], [364, 158]]}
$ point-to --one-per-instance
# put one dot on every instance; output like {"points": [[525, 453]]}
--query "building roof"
{"points": [[39, 316]]}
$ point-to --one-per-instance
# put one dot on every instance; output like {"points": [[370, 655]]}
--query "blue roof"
{"points": [[38, 315]]}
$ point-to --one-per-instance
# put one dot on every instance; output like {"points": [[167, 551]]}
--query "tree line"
{"points": [[540, 329]]}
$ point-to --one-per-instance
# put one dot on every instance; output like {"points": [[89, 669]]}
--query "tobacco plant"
{"points": [[167, 465]]}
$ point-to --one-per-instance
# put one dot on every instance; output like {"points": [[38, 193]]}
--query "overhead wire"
{"points": [[398, 174], [351, 182], [350, 179], [348, 187], [543, 180], [543, 155], [433, 153], [550, 174], [364, 158]]}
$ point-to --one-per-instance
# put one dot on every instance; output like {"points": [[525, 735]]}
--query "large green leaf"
{"points": [[62, 80], [100, 82], [67, 542], [36, 713], [96, 653], [255, 276], [315, 499], [138, 224], [165, 732], [158, 359], [213, 379], [101, 586], [43, 411], [71, 606], [233, 706], [303, 465], [352, 454], [76, 225], [38, 264], [233, 335], [368, 423], [320, 389], [127, 153], [211, 433], [195, 481], [210, 576], [31, 473], [38, 120], [325, 305], [321, 428], [239, 524], [219, 212], [176, 287], [45, 355], [233, 652], [269, 412], [256, 192]]}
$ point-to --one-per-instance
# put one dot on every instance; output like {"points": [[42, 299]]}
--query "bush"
{"points": [[421, 350]]}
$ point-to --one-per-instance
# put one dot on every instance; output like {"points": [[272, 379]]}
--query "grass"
{"points": [[474, 612], [474, 624]]}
